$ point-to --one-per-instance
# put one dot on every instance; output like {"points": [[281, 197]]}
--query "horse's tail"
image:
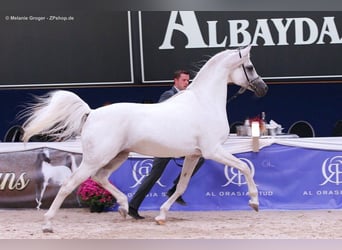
{"points": [[59, 114]]}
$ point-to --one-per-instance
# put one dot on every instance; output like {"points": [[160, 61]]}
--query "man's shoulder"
{"points": [[167, 94], [171, 91]]}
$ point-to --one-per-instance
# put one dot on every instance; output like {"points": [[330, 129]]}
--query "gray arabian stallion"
{"points": [[109, 133]]}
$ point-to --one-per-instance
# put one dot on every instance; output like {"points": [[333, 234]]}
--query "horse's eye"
{"points": [[249, 67]]}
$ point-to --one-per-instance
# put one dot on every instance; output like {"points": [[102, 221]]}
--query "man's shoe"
{"points": [[179, 200], [134, 213]]}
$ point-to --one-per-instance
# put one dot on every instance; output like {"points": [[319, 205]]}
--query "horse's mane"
{"points": [[199, 64], [202, 64]]}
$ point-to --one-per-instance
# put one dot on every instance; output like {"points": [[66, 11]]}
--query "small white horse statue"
{"points": [[50, 174], [109, 133]]}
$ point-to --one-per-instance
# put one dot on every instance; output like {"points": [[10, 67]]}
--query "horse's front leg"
{"points": [[187, 169], [39, 201], [80, 175], [223, 156]]}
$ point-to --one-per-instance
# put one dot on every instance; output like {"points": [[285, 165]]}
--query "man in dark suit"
{"points": [[181, 81]]}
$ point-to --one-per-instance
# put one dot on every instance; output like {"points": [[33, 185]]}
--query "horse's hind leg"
{"points": [[80, 175], [187, 170], [223, 156], [102, 175]]}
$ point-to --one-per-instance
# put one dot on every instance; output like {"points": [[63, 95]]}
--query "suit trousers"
{"points": [[158, 167]]}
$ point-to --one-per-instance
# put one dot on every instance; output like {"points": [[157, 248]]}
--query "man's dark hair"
{"points": [[179, 72]]}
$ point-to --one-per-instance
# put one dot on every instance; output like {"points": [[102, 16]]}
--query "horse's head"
{"points": [[44, 155], [244, 74]]}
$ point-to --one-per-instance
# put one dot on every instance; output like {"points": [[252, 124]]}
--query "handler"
{"points": [[181, 81]]}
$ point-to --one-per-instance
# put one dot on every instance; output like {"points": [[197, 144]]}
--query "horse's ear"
{"points": [[245, 51], [238, 57]]}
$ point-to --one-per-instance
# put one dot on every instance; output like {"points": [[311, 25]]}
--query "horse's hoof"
{"points": [[254, 206], [47, 230], [122, 212], [160, 222]]}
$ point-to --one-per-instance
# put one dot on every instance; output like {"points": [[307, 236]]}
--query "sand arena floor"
{"points": [[79, 223]]}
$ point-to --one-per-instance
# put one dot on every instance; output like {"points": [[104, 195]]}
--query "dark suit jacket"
{"points": [[167, 94]]}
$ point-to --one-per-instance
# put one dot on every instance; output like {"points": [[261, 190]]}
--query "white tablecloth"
{"points": [[234, 144]]}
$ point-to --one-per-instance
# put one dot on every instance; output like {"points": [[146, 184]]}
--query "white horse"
{"points": [[110, 133], [51, 174]]}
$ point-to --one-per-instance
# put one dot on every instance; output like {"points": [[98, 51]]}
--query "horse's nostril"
{"points": [[261, 92]]}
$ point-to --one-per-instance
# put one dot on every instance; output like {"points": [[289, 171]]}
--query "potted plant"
{"points": [[94, 196]]}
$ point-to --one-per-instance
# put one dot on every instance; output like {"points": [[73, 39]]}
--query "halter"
{"points": [[250, 82]]}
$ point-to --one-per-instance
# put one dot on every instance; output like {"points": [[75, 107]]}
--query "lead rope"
{"points": [[239, 92]]}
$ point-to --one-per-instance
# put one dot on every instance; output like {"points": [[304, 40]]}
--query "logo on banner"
{"points": [[332, 170], [234, 176], [12, 182], [332, 174], [140, 170]]}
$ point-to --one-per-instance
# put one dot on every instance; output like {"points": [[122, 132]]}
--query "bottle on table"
{"points": [[247, 126], [263, 122]]}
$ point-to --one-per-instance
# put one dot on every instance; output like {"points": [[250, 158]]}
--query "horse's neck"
{"points": [[45, 164], [211, 84]]}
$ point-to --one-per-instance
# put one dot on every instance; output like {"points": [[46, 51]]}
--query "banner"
{"points": [[287, 178], [65, 48], [32, 178], [282, 42], [102, 47]]}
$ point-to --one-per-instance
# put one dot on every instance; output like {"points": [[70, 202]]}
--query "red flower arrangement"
{"points": [[94, 196], [255, 119]]}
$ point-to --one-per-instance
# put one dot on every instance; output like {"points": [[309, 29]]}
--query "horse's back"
{"points": [[135, 115], [154, 129]]}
